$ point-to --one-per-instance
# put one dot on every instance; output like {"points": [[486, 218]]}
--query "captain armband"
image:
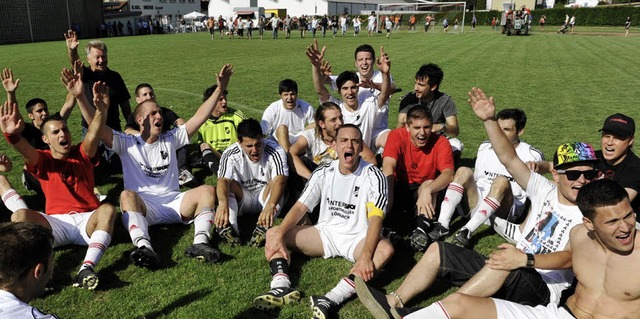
{"points": [[372, 211]]}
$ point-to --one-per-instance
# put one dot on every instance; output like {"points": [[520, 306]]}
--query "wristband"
{"points": [[12, 138], [531, 261]]}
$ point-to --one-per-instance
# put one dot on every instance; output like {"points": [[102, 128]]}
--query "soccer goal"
{"points": [[438, 10]]}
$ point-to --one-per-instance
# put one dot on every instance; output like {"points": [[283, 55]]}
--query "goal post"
{"points": [[440, 10]]}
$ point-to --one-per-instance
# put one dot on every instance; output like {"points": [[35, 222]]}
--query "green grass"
{"points": [[567, 84]]}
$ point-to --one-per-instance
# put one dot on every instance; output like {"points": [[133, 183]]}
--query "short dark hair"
{"points": [[517, 115], [349, 125], [599, 193], [419, 112], [54, 117], [346, 76], [209, 91], [32, 103], [288, 85], [365, 48], [142, 86], [24, 245], [431, 71], [249, 128]]}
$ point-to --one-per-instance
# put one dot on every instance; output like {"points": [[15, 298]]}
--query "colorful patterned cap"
{"points": [[575, 152]]}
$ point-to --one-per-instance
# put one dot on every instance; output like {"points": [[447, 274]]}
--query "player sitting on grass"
{"points": [[152, 194], [553, 214], [352, 195], [418, 164], [65, 171], [284, 119], [251, 180], [490, 189]]}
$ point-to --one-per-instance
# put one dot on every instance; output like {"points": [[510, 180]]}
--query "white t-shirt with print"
{"points": [[13, 308], [150, 168], [343, 198]]}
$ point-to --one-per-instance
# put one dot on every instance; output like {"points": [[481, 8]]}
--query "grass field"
{"points": [[567, 84]]}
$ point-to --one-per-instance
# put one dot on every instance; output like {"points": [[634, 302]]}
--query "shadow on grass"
{"points": [[253, 313], [178, 303], [70, 258]]}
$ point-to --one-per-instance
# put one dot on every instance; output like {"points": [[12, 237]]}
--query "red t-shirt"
{"points": [[417, 165], [67, 183]]}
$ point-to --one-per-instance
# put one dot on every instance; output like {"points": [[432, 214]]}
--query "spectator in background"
{"points": [[627, 26]]}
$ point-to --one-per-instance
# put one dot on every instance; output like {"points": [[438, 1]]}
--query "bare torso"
{"points": [[608, 285]]}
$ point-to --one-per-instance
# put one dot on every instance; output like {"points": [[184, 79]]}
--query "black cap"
{"points": [[619, 124]]}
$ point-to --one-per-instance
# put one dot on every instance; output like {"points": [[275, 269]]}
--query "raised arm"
{"points": [[12, 124], [297, 150], [384, 65], [73, 82], [203, 112], [101, 101], [71, 38], [316, 57], [67, 107], [10, 85], [484, 109]]}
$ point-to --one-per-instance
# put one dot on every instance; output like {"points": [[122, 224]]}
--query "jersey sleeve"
{"points": [[444, 154], [312, 191], [394, 144], [449, 108], [278, 159], [119, 142], [268, 117], [181, 136], [227, 162], [377, 192]]}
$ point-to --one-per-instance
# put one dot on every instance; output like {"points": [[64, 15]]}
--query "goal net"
{"points": [[437, 10]]}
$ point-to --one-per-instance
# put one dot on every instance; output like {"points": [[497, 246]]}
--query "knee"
{"points": [[500, 186], [463, 175], [432, 255], [455, 303], [386, 250], [107, 212], [21, 215], [282, 130], [127, 197], [207, 194]]}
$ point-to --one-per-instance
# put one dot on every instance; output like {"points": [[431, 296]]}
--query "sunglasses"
{"points": [[573, 175]]}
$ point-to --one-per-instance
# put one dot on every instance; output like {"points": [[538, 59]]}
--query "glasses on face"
{"points": [[573, 175]]}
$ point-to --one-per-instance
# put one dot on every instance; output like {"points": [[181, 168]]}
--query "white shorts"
{"points": [[252, 202], [371, 27], [163, 209], [69, 229], [509, 310], [339, 245]]}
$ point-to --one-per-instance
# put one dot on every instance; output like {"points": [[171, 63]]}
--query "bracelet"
{"points": [[12, 138], [393, 293]]}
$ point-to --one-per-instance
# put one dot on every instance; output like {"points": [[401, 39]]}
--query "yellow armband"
{"points": [[372, 211]]}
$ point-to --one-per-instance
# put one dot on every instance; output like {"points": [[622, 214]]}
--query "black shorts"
{"points": [[523, 285]]}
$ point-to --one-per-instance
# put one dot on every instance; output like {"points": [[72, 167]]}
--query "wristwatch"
{"points": [[531, 261]]}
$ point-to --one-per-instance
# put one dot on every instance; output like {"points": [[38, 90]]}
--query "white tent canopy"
{"points": [[194, 15]]}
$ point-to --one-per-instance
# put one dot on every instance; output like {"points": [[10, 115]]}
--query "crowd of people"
{"points": [[347, 184]]}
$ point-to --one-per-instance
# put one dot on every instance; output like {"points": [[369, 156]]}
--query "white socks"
{"points": [[452, 198]]}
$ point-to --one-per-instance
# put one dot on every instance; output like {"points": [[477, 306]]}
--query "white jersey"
{"points": [[14, 308], [356, 22], [547, 229], [371, 22], [317, 150], [368, 117], [343, 199], [343, 22], [296, 119], [236, 165], [150, 168], [488, 167]]}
